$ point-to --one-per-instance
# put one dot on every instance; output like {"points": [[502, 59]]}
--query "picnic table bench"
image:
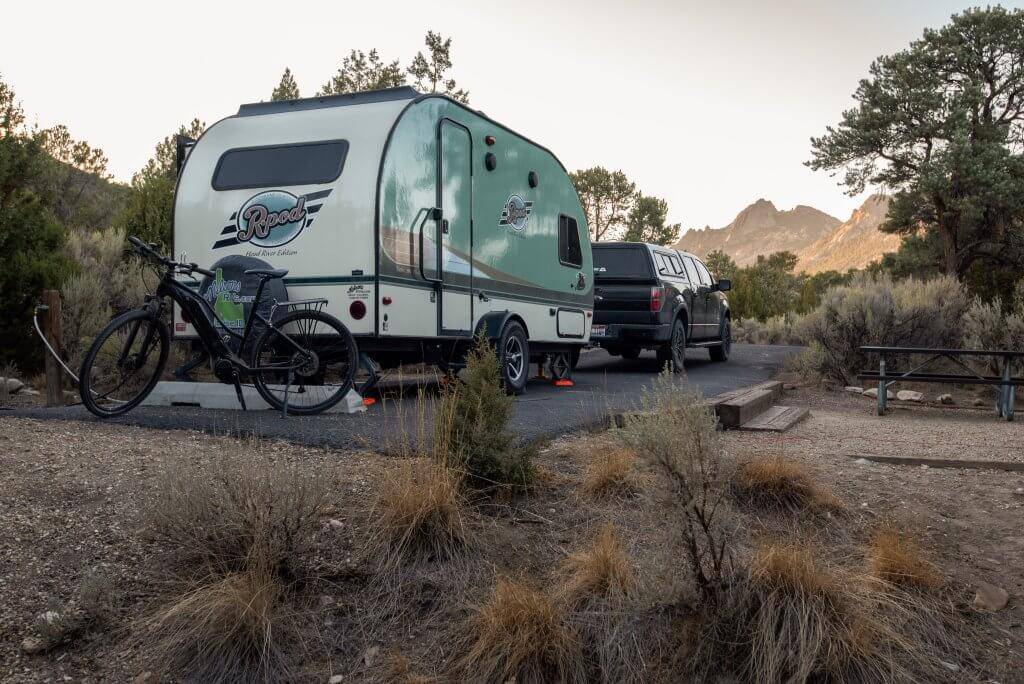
{"points": [[1005, 380]]}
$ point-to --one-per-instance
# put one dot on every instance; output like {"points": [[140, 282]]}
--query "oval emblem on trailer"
{"points": [[515, 213], [271, 219]]}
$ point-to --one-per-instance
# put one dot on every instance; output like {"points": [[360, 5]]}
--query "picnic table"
{"points": [[1006, 381]]}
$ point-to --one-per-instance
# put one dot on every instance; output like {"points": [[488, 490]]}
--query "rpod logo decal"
{"points": [[515, 213], [272, 218]]}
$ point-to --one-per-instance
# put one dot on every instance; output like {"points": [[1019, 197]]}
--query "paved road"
{"points": [[603, 383]]}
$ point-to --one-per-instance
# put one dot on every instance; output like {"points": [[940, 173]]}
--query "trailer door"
{"points": [[455, 198]]}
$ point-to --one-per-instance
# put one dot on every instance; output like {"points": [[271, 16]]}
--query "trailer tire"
{"points": [[514, 357]]}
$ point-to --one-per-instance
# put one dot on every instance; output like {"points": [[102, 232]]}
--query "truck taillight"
{"points": [[657, 295]]}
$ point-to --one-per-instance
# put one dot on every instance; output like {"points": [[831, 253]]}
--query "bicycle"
{"points": [[303, 363]]}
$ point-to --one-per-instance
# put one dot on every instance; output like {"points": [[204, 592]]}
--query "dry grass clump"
{"points": [[238, 540], [600, 570], [778, 482], [520, 634], [791, 617], [418, 513], [237, 627], [610, 472], [895, 558]]}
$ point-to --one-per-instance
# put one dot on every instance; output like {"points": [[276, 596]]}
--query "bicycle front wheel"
{"points": [[123, 364], [308, 358]]}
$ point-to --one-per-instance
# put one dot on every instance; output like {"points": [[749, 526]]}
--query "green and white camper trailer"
{"points": [[353, 194]]}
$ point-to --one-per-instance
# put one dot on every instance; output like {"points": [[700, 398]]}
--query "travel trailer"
{"points": [[421, 221]]}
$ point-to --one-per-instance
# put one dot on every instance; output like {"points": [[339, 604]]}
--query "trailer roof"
{"points": [[344, 100]]}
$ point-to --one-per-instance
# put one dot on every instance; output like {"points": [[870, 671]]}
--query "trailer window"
{"points": [[277, 165], [569, 251]]}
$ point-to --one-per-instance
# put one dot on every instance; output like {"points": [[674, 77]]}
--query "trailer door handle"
{"points": [[444, 226]]}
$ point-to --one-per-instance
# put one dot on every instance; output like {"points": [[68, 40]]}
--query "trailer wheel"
{"points": [[514, 357]]}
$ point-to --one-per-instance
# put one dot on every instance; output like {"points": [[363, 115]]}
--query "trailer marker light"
{"points": [[489, 139], [357, 309], [386, 301], [369, 401], [564, 382]]}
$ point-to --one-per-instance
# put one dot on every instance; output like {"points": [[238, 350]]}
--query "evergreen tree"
{"points": [[646, 222], [287, 88], [430, 70], [30, 236], [147, 213], [941, 124], [361, 71], [607, 198]]}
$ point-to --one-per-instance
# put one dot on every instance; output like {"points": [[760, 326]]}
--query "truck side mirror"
{"points": [[723, 285]]}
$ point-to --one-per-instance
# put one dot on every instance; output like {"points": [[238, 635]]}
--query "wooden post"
{"points": [[51, 329]]}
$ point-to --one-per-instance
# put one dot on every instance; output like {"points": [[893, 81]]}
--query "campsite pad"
{"points": [[603, 384]]}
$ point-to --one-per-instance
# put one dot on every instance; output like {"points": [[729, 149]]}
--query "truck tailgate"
{"points": [[623, 302]]}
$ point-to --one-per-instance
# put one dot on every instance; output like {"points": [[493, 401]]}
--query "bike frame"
{"points": [[203, 320]]}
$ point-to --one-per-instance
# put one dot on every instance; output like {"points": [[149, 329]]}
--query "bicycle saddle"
{"points": [[267, 272]]}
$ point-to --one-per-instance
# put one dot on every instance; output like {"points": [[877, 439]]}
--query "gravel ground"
{"points": [[75, 494], [969, 520]]}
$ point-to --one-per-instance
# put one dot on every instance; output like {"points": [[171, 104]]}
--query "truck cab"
{"points": [[652, 297]]}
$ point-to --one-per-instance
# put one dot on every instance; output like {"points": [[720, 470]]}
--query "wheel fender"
{"points": [[492, 323]]}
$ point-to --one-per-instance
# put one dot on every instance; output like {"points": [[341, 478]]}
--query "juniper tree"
{"points": [[940, 123]]}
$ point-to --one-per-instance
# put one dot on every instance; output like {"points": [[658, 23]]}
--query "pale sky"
{"points": [[707, 104]]}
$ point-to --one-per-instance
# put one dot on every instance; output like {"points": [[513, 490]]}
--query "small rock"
{"points": [[990, 598], [952, 667], [862, 461], [852, 389], [336, 679], [978, 401], [946, 399], [370, 654], [13, 385], [909, 395], [788, 386], [335, 523], [30, 392], [33, 645], [873, 392]]}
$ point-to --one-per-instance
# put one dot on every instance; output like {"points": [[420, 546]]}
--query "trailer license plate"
{"points": [[598, 330]]}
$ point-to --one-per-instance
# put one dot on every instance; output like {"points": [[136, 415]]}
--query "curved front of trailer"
{"points": [[474, 219]]}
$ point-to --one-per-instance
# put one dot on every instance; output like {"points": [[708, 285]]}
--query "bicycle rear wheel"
{"points": [[309, 357], [123, 364]]}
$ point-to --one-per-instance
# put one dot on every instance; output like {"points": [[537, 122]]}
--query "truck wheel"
{"points": [[631, 353], [514, 357], [674, 351], [721, 352]]}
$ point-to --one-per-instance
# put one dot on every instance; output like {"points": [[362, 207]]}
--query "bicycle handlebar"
{"points": [[149, 252]]}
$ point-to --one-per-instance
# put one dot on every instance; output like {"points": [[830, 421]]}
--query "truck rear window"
{"points": [[621, 262], [276, 165]]}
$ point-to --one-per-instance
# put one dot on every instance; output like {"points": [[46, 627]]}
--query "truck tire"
{"points": [[720, 353], [673, 352], [514, 357]]}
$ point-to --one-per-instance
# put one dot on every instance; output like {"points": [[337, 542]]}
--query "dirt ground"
{"points": [[75, 496]]}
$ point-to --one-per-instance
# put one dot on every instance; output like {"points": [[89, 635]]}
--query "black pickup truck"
{"points": [[652, 297]]}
